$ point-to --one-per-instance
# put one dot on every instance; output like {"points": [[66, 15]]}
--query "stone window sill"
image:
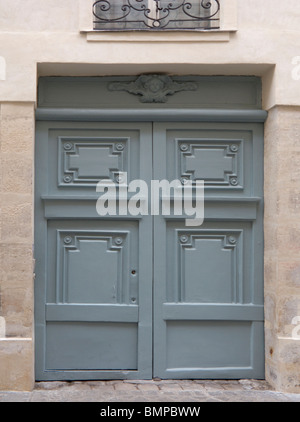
{"points": [[164, 36]]}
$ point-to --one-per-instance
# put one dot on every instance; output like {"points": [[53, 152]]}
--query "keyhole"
{"points": [[133, 272]]}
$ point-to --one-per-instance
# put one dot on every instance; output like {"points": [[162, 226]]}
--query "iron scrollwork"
{"points": [[156, 15]]}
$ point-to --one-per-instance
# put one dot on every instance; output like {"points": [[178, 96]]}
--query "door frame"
{"points": [[146, 115]]}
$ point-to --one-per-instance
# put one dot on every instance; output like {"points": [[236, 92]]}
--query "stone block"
{"points": [[17, 128], [16, 173], [289, 274], [16, 364], [16, 265], [17, 306], [16, 288], [16, 218]]}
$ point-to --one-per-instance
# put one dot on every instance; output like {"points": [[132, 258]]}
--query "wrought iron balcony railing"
{"points": [[156, 15]]}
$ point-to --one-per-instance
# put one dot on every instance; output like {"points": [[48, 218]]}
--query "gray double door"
{"points": [[142, 296]]}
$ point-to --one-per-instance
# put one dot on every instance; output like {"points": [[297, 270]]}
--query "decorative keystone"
{"points": [[153, 88]]}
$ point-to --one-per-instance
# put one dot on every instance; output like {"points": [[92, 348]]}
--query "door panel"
{"points": [[91, 261], [94, 274], [79, 158], [216, 153], [212, 262], [91, 346], [206, 353], [208, 281]]}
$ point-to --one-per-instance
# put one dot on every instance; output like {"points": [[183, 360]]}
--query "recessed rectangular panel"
{"points": [[209, 264], [79, 157], [220, 155], [91, 262], [227, 92], [208, 267], [208, 344], [91, 346], [218, 162], [92, 266], [84, 161]]}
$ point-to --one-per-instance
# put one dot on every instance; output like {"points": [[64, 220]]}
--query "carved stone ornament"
{"points": [[153, 88]]}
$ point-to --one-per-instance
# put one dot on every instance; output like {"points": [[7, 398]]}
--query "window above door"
{"points": [[156, 15], [158, 20]]}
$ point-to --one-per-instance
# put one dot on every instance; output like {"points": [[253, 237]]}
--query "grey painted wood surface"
{"points": [[141, 296]]}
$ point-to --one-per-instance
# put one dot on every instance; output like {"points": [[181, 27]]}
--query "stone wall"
{"points": [[16, 245], [282, 247]]}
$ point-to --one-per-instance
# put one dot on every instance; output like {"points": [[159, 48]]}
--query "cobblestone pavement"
{"points": [[151, 391]]}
